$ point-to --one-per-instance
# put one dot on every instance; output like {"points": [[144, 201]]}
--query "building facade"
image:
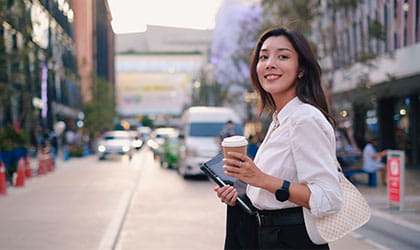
{"points": [[156, 72], [94, 43], [370, 52], [38, 79]]}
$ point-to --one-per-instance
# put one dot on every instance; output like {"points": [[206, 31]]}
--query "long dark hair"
{"points": [[308, 88]]}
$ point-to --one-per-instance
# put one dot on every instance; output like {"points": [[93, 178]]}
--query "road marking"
{"points": [[111, 237], [395, 220], [113, 228]]}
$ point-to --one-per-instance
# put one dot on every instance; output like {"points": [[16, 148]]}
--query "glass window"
{"points": [[210, 129]]}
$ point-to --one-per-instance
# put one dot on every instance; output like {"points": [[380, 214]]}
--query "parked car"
{"points": [[116, 142], [170, 151], [157, 138]]}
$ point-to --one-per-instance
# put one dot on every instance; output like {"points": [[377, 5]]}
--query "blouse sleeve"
{"points": [[313, 148]]}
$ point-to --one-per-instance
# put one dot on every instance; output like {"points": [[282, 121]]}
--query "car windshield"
{"points": [[116, 137], [209, 129]]}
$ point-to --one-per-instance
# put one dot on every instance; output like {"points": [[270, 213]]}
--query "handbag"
{"points": [[354, 213]]}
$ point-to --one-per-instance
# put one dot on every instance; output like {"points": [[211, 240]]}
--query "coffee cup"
{"points": [[234, 144]]}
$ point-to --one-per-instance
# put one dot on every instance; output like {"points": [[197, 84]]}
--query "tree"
{"points": [[100, 110], [234, 38], [296, 14], [146, 121]]}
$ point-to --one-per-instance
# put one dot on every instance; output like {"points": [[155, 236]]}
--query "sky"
{"points": [[132, 15]]}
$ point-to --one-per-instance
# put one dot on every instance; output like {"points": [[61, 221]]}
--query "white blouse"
{"points": [[301, 150]]}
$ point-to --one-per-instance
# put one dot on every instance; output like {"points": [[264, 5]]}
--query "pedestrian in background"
{"points": [[372, 159], [294, 177], [227, 131]]}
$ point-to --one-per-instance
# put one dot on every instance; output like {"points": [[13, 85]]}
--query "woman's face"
{"points": [[277, 67]]}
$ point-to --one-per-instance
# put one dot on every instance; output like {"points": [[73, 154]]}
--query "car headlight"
{"points": [[101, 148], [137, 143], [152, 144], [125, 148]]}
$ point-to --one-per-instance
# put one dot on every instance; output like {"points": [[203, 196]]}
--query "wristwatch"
{"points": [[282, 194]]}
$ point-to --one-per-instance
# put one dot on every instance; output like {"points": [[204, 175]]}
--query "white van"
{"points": [[200, 127]]}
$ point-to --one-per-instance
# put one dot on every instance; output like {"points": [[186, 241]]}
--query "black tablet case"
{"points": [[214, 170]]}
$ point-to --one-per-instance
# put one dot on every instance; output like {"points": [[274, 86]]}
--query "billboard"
{"points": [[152, 93]]}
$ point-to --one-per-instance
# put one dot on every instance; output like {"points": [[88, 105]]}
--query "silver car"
{"points": [[116, 142]]}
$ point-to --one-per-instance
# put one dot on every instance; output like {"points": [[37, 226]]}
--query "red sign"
{"points": [[394, 179]]}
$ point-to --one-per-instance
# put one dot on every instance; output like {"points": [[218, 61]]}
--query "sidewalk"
{"points": [[59, 162], [377, 198]]}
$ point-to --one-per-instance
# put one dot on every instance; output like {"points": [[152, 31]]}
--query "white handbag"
{"points": [[354, 213]]}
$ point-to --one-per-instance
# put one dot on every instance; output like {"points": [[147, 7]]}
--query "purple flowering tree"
{"points": [[237, 26]]}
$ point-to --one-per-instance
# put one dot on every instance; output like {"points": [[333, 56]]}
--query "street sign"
{"points": [[396, 177]]}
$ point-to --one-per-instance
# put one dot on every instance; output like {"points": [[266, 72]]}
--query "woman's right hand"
{"points": [[227, 194]]}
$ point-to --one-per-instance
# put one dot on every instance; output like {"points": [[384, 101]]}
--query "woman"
{"points": [[293, 178]]}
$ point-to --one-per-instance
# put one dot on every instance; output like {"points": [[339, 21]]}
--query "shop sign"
{"points": [[396, 177]]}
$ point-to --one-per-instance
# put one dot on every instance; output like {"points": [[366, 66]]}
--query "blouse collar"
{"points": [[286, 111]]}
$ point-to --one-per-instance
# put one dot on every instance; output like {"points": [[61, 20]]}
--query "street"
{"points": [[121, 204], [114, 204]]}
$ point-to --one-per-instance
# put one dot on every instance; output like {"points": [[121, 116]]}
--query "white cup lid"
{"points": [[234, 141]]}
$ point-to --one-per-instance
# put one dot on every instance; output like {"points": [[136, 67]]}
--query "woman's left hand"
{"points": [[244, 168]]}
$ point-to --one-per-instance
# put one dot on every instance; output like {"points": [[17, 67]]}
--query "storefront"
{"points": [[389, 111]]}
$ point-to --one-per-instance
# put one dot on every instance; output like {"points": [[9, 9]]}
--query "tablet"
{"points": [[214, 170]]}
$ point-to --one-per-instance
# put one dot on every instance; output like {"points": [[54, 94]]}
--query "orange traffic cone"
{"points": [[28, 170], [50, 162], [20, 180], [42, 168], [3, 185]]}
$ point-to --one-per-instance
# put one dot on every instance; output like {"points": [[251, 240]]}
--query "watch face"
{"points": [[282, 195]]}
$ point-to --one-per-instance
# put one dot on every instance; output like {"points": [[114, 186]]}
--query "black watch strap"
{"points": [[286, 185]]}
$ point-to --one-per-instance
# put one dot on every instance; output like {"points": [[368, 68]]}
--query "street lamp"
{"points": [[196, 85]]}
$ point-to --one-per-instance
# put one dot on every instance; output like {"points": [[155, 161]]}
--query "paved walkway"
{"points": [[378, 200], [376, 197]]}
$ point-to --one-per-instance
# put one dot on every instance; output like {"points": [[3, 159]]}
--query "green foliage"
{"points": [[100, 111], [377, 31], [147, 122], [12, 137], [344, 4], [365, 57], [297, 14], [76, 151]]}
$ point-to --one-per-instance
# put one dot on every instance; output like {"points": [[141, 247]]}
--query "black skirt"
{"points": [[278, 229]]}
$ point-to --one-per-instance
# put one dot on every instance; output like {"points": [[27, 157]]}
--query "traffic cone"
{"points": [[28, 170], [3, 185], [20, 180], [42, 168], [50, 162]]}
